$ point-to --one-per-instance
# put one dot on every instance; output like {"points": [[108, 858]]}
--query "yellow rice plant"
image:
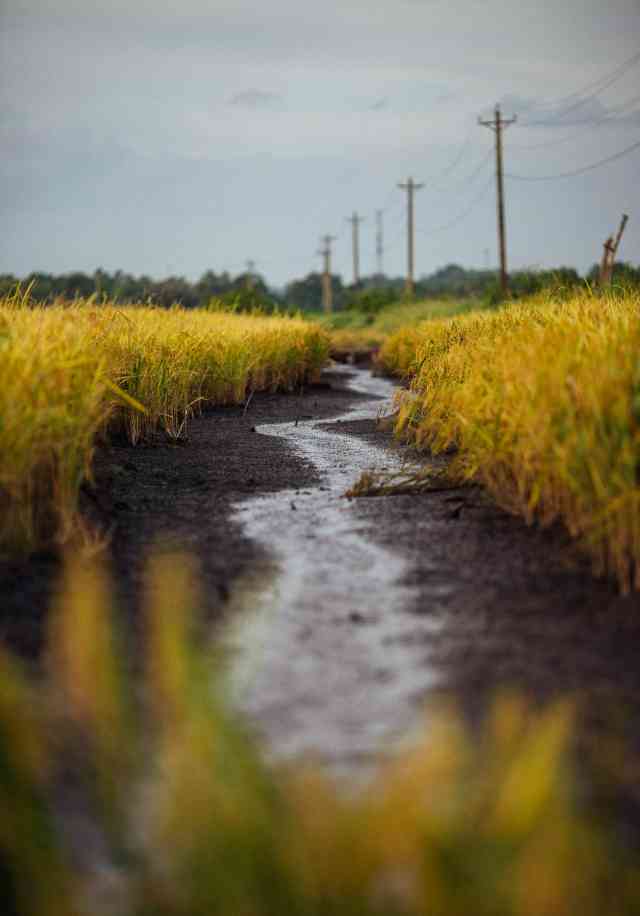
{"points": [[354, 331], [541, 403], [71, 371], [399, 352], [407, 314], [355, 340], [53, 400], [454, 826]]}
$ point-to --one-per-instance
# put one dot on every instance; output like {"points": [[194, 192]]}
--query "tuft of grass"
{"points": [[540, 403], [72, 372], [187, 818], [410, 478]]}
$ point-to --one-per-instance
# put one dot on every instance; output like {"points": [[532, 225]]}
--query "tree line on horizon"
{"points": [[245, 291]]}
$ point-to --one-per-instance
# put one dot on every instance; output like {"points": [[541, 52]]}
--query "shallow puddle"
{"points": [[325, 657]]}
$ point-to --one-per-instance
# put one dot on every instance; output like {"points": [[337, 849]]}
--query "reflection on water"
{"points": [[325, 658]]}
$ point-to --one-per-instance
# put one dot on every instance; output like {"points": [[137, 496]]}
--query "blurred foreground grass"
{"points": [[187, 819]]}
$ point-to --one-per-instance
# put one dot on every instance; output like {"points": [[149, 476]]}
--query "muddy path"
{"points": [[179, 496], [324, 655], [345, 618], [369, 609]]}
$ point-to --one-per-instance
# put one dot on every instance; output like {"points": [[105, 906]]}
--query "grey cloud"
{"points": [[576, 112], [255, 98], [128, 119], [447, 97], [631, 117]]}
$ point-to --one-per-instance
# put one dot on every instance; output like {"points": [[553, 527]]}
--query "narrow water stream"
{"points": [[326, 657]]}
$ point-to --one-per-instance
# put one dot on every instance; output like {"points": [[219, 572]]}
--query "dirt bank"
{"points": [[517, 608], [180, 495], [513, 606], [489, 602]]}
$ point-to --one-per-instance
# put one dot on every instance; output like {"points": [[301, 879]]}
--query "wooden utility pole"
{"points": [[327, 291], [250, 280], [379, 244], [609, 253], [497, 125], [410, 187], [355, 221]]}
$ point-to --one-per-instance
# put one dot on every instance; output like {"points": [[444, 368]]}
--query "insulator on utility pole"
{"points": [[410, 187], [355, 221], [497, 125], [327, 291], [379, 244]]}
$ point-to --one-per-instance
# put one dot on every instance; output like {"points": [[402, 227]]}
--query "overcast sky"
{"points": [[162, 137]]}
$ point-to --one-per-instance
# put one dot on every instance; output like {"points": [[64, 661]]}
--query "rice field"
{"points": [[127, 786], [187, 818], [540, 402], [354, 331], [72, 373]]}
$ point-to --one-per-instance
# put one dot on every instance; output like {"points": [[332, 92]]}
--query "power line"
{"points": [[321, 210], [581, 171], [619, 70], [391, 208], [597, 86], [391, 196], [606, 119], [632, 101], [456, 160], [397, 238], [398, 223], [575, 99], [461, 216], [447, 171], [467, 180], [575, 106]]}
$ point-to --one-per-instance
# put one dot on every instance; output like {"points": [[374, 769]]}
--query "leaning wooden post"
{"points": [[607, 247], [609, 254]]}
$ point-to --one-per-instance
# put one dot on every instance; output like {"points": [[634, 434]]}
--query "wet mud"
{"points": [[324, 656], [467, 602], [518, 606], [344, 618], [160, 494]]}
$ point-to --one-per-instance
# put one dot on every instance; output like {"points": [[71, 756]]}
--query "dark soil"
{"points": [[521, 606], [175, 495], [517, 606], [519, 609]]}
